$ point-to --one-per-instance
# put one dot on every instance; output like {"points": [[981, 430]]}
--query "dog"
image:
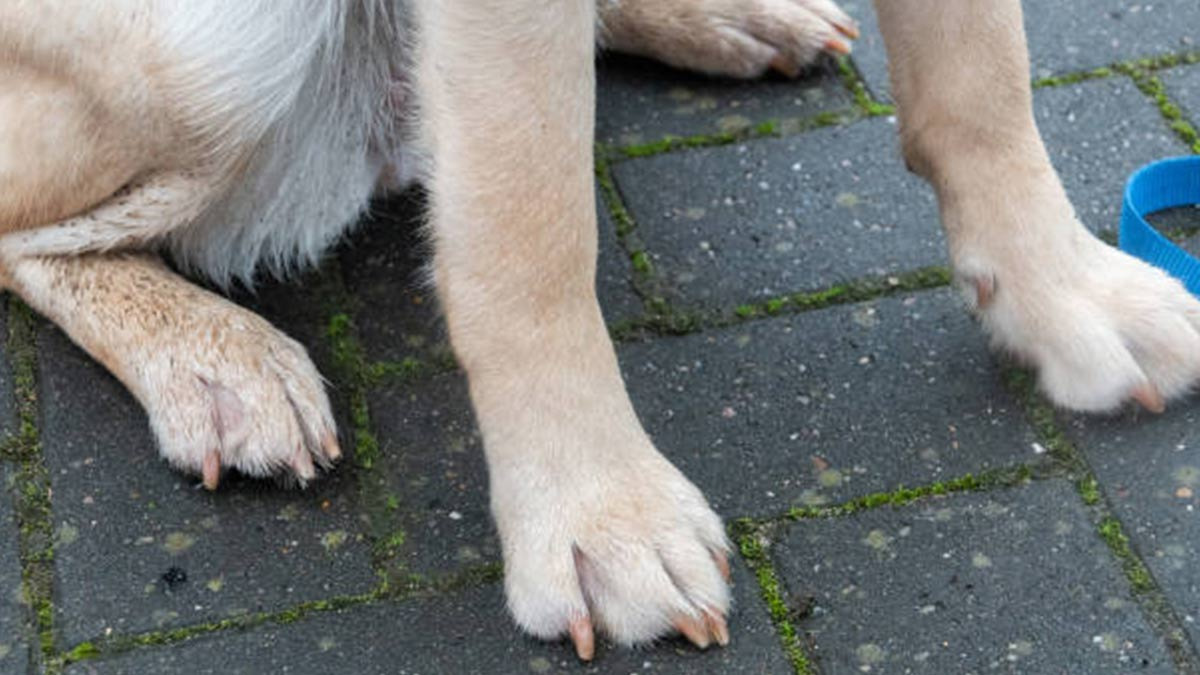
{"points": [[238, 136]]}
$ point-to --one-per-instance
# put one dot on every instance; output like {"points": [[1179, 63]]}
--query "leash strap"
{"points": [[1154, 187]]}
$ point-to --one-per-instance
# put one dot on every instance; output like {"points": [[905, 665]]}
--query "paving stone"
{"points": [[397, 317], [140, 547], [803, 410], [755, 220], [469, 632], [1064, 36], [830, 405], [1097, 134], [1013, 581], [639, 100], [14, 648], [436, 472], [747, 222], [1183, 87], [1150, 472]]}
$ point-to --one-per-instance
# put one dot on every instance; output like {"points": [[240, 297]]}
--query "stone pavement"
{"points": [[901, 499]]}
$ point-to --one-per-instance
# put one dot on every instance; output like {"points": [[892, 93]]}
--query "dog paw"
{"points": [[627, 548], [737, 38], [232, 391], [1100, 326]]}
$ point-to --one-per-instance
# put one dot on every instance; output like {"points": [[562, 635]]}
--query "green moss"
{"points": [[1139, 577], [81, 652], [32, 480], [1153, 87], [641, 262], [854, 83], [766, 129], [1089, 490], [1073, 78], [858, 290], [771, 592], [899, 497]]}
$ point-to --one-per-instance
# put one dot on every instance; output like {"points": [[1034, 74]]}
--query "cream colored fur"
{"points": [[240, 135]]}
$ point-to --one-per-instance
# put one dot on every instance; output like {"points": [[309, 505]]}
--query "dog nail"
{"points": [[693, 629], [722, 562], [985, 288], [717, 626], [1148, 395], [211, 470], [849, 29], [583, 638], [302, 464], [784, 66], [837, 46], [330, 446]]}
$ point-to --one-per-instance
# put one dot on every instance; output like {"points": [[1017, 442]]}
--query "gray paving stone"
{"points": [[398, 317], [1097, 134], [436, 473], [747, 222], [465, 633], [1183, 87], [755, 220], [639, 100], [829, 405], [1064, 36], [1150, 472], [14, 631], [129, 529], [1014, 581], [804, 410]]}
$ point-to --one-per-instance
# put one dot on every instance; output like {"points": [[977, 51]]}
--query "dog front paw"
{"points": [[1100, 326], [737, 38], [618, 544]]}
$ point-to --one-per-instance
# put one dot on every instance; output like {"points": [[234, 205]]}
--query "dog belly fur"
{"points": [[300, 111]]}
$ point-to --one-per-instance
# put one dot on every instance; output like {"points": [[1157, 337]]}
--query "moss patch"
{"points": [[1153, 87], [854, 83], [752, 546], [902, 495]]}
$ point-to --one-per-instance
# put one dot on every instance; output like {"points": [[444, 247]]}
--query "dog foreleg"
{"points": [[599, 531], [1100, 326]]}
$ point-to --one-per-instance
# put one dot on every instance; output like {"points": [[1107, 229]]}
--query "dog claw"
{"points": [[694, 630], [722, 562], [302, 464], [717, 626], [848, 29], [211, 470], [1149, 397], [784, 66], [837, 46], [985, 288], [583, 638], [330, 446]]}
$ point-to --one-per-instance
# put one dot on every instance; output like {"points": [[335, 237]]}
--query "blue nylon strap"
{"points": [[1154, 187]]}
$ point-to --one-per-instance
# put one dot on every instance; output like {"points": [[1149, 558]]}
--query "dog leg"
{"points": [[221, 386], [738, 38], [1100, 326], [599, 531]]}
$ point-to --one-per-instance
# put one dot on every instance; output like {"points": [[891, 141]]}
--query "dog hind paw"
{"points": [[245, 396], [736, 38]]}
